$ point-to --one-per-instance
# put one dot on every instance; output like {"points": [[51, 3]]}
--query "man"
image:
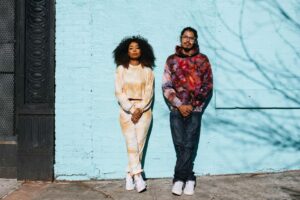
{"points": [[187, 87]]}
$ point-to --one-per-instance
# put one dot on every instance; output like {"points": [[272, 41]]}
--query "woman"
{"points": [[134, 90]]}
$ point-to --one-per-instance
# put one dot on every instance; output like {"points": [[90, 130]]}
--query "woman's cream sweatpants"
{"points": [[135, 136]]}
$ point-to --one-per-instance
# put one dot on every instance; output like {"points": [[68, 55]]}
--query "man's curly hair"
{"points": [[121, 57]]}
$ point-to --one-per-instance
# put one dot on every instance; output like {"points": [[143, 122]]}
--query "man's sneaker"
{"points": [[177, 188], [140, 184], [189, 188], [129, 182]]}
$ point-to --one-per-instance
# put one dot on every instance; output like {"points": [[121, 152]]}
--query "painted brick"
{"points": [[89, 142]]}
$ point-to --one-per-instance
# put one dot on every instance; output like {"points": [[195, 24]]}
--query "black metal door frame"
{"points": [[8, 139], [35, 88]]}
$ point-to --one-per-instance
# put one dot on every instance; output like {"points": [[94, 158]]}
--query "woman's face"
{"points": [[134, 51]]}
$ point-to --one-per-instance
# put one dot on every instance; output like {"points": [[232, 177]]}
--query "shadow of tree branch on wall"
{"points": [[260, 65]]}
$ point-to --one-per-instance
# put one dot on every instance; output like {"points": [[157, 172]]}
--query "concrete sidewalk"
{"points": [[273, 186], [8, 186]]}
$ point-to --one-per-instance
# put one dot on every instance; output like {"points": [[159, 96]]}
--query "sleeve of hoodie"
{"points": [[148, 96], [121, 96], [168, 87], [207, 81]]}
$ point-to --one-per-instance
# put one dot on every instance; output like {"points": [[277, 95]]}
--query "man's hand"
{"points": [[137, 114], [185, 110]]}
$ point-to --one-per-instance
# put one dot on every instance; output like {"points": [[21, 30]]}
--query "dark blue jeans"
{"points": [[185, 133]]}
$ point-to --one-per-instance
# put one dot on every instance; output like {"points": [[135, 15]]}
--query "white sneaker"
{"points": [[177, 188], [140, 184], [129, 182], [189, 188]]}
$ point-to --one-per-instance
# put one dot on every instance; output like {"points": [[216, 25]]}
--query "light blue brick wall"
{"points": [[89, 142]]}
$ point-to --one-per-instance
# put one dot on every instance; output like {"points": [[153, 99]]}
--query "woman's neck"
{"points": [[134, 62]]}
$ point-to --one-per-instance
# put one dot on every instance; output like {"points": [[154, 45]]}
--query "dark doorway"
{"points": [[27, 89]]}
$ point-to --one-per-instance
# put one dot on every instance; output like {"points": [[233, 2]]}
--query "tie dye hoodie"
{"points": [[187, 80]]}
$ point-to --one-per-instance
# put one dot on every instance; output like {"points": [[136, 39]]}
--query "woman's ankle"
{"points": [[137, 176]]}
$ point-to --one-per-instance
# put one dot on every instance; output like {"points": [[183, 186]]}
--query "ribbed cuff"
{"points": [[177, 102]]}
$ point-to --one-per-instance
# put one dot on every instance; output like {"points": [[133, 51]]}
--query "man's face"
{"points": [[188, 40]]}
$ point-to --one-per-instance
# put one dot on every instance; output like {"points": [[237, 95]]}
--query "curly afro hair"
{"points": [[121, 57]]}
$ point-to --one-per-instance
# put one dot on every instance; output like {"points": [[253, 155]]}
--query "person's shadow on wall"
{"points": [[148, 136], [151, 126], [145, 149]]}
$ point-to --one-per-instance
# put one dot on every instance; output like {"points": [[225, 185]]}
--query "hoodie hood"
{"points": [[179, 51]]}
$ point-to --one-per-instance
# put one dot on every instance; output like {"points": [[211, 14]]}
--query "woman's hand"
{"points": [[137, 114]]}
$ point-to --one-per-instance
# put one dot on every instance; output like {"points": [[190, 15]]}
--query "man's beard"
{"points": [[188, 49]]}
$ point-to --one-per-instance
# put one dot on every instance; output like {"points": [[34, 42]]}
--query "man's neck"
{"points": [[187, 52]]}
